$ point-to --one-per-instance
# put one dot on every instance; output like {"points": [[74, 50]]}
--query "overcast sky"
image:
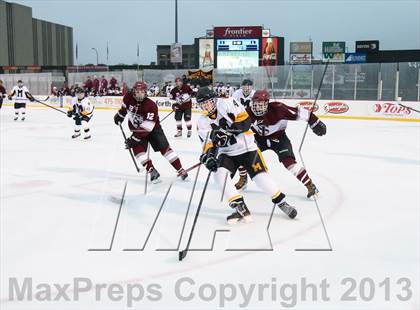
{"points": [[123, 23]]}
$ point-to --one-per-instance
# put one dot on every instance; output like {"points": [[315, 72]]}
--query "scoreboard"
{"points": [[238, 45], [237, 53]]}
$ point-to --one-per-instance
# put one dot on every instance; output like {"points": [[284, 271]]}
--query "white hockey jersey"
{"points": [[20, 94], [232, 112], [83, 107], [239, 96]]}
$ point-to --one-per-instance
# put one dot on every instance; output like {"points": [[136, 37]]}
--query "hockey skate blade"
{"points": [[245, 220]]}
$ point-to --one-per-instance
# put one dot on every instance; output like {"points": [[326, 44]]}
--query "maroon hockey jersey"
{"points": [[274, 123], [143, 115], [182, 96]]}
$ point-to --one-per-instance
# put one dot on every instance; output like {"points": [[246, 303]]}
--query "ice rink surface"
{"points": [[59, 198]]}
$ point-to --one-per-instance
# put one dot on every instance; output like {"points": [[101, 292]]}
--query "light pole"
{"points": [[176, 21], [97, 55]]}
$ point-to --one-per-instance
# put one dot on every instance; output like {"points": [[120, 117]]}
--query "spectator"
{"points": [[104, 86], [113, 83], [95, 85], [88, 85]]}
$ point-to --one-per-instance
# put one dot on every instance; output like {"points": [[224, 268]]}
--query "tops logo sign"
{"points": [[238, 32], [335, 107], [388, 108]]}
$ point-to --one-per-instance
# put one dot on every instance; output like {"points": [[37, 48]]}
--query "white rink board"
{"points": [[379, 110], [55, 205]]}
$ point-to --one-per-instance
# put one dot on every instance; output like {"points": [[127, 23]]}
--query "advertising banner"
{"points": [[333, 52], [270, 51], [300, 53], [300, 59], [206, 53], [176, 53], [238, 32], [351, 109], [198, 76], [355, 58], [367, 46]]}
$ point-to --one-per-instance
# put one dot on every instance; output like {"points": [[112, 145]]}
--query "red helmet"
{"points": [[259, 104], [261, 95], [140, 86], [137, 89]]}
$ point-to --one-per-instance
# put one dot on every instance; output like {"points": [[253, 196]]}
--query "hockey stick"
{"points": [[404, 106], [129, 150], [182, 254], [50, 106], [167, 116], [313, 104]]}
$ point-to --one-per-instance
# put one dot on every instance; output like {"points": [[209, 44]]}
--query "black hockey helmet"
{"points": [[79, 90], [205, 100], [204, 94], [247, 82]]}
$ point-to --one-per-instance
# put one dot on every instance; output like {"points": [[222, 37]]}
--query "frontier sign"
{"points": [[238, 32]]}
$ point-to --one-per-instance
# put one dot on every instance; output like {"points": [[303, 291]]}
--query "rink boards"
{"points": [[348, 109]]}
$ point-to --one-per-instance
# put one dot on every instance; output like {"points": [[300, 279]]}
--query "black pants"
{"points": [[252, 161], [282, 146], [157, 140], [181, 112], [19, 105], [1, 102]]}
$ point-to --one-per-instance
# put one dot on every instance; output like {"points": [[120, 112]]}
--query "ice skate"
{"points": [[154, 176], [189, 133], [178, 134], [182, 174], [76, 135], [23, 119], [241, 213], [87, 137], [15, 118], [312, 190], [288, 209]]}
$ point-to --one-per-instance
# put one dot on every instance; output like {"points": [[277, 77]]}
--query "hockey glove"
{"points": [[319, 128], [70, 113], [131, 142], [211, 162], [175, 106], [118, 119], [10, 98]]}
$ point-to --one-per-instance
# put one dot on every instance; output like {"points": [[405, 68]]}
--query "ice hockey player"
{"points": [[2, 93], [81, 111], [181, 93], [22, 95], [229, 143], [269, 122], [143, 121], [244, 96]]}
